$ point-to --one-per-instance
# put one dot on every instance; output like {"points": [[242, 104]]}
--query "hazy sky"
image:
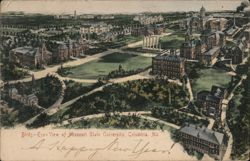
{"points": [[115, 6]]}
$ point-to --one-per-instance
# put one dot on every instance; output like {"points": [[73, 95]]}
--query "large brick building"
{"points": [[210, 56], [30, 57], [203, 140], [193, 49], [169, 65], [213, 39], [63, 51]]}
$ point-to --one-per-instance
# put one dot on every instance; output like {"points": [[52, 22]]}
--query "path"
{"points": [[224, 119], [49, 70], [139, 113], [191, 96]]}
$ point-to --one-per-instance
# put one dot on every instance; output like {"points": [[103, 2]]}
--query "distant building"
{"points": [[98, 28], [171, 65], [28, 100], [216, 24], [237, 52], [28, 56], [147, 31], [212, 101], [86, 16], [202, 22], [203, 140], [213, 39], [108, 37], [105, 17], [148, 20]]}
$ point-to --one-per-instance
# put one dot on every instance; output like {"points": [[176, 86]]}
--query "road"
{"points": [[49, 70]]}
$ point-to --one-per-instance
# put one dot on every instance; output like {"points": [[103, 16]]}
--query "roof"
{"points": [[203, 133], [212, 98], [218, 91], [32, 96], [167, 57], [212, 51], [13, 90], [26, 50]]}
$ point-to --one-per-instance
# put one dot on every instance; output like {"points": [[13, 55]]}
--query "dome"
{"points": [[203, 9]]}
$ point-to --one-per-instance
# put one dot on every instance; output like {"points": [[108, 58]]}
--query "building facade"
{"points": [[171, 66], [30, 57], [64, 50]]}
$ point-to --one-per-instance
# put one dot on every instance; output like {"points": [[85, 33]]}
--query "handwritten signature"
{"points": [[134, 151]]}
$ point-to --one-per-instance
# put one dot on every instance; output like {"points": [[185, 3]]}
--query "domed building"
{"points": [[202, 12]]}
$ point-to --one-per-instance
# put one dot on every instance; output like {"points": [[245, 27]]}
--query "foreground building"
{"points": [[30, 57], [203, 140], [171, 66]]}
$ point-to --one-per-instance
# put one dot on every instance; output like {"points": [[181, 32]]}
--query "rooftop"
{"points": [[203, 133], [26, 50], [169, 57], [212, 51]]}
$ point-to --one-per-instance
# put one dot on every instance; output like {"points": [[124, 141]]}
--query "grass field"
{"points": [[101, 67], [209, 77], [172, 41]]}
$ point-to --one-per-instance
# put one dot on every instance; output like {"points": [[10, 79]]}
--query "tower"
{"points": [[202, 12], [75, 14]]}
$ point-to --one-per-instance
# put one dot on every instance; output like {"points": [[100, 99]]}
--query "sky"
{"points": [[114, 6]]}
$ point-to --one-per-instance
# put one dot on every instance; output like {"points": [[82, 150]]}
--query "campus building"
{"points": [[211, 101], [193, 49], [213, 39], [27, 100], [210, 56], [216, 24], [148, 20], [64, 50], [202, 140], [237, 52], [28, 56], [169, 65], [97, 28], [147, 31]]}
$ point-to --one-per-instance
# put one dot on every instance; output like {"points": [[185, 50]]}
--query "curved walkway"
{"points": [[139, 113]]}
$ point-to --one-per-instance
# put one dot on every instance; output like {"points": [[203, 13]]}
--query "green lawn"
{"points": [[209, 77], [101, 67], [172, 41]]}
